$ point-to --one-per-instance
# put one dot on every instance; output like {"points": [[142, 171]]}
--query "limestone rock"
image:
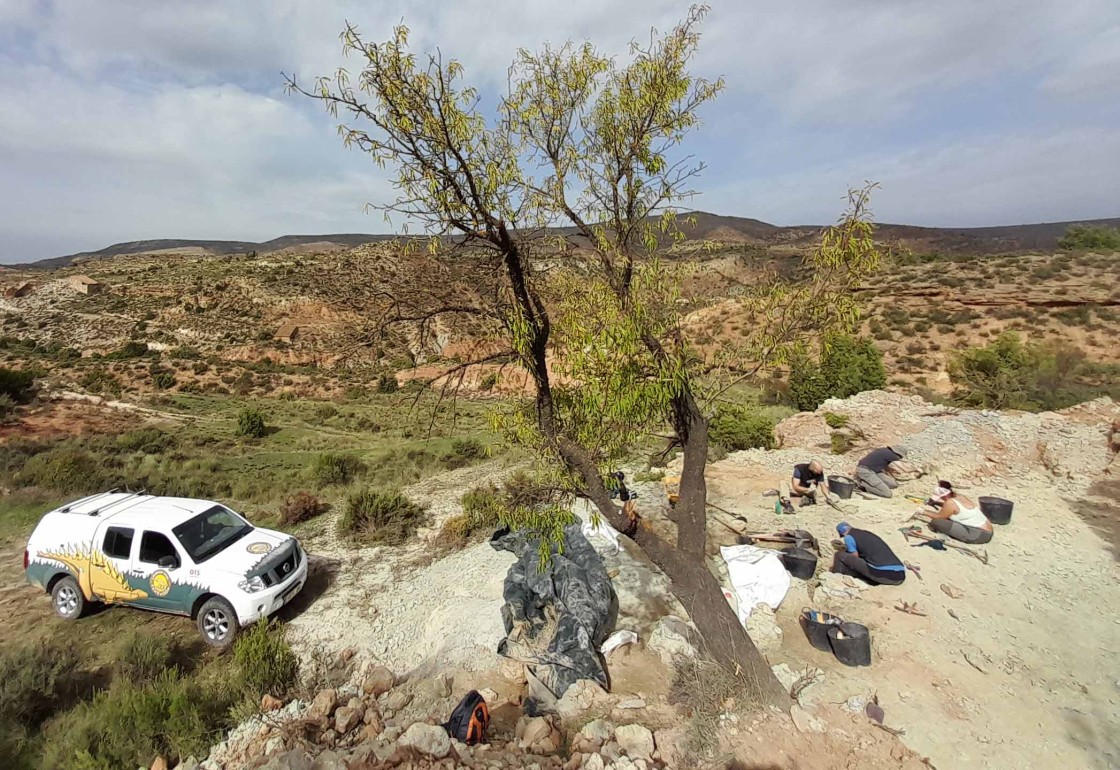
{"points": [[190, 763], [806, 722], [397, 700], [270, 703], [323, 705], [296, 759], [538, 735], [427, 739], [346, 719], [328, 760], [763, 629], [159, 764], [635, 740], [580, 698], [597, 730], [592, 762], [673, 638], [378, 682]]}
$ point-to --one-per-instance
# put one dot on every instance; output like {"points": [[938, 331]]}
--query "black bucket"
{"points": [[815, 624], [996, 509], [841, 486], [800, 562], [855, 648]]}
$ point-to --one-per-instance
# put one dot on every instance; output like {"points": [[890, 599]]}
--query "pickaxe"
{"points": [[916, 532]]}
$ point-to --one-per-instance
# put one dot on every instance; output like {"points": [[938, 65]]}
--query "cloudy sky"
{"points": [[132, 119]]}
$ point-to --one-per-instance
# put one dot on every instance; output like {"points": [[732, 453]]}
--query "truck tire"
{"points": [[67, 598], [217, 622]]}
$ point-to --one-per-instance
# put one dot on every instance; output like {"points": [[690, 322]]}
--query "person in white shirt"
{"points": [[959, 517]]}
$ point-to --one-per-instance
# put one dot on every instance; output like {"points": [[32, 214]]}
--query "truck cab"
{"points": [[168, 554]]}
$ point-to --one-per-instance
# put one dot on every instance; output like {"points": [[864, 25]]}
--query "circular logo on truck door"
{"points": [[160, 583], [259, 548]]}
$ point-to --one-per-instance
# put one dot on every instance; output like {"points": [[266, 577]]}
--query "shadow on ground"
{"points": [[1100, 509]]}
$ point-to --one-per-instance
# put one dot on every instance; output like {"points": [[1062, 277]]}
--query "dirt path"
{"points": [[1027, 673]]}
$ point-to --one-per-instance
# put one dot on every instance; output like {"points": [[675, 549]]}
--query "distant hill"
{"points": [[980, 240]]}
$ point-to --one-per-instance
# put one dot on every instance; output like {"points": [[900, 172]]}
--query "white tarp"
{"points": [[757, 575]]}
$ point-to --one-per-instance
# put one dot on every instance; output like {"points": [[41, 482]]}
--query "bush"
{"points": [[143, 657], [164, 380], [381, 517], [738, 427], [464, 452], [7, 405], [847, 366], [329, 468], [1088, 237], [300, 507], [266, 663], [100, 381], [387, 383], [834, 421], [132, 349], [65, 469], [250, 423], [482, 510], [130, 723], [36, 680], [489, 382], [16, 384]]}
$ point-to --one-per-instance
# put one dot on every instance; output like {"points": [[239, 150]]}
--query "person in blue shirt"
{"points": [[865, 555]]}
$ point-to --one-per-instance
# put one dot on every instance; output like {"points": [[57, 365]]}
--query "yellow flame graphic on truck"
{"points": [[97, 576]]}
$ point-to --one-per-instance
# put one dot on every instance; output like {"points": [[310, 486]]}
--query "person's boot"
{"points": [[787, 507]]}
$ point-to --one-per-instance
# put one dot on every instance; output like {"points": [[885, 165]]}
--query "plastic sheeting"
{"points": [[756, 575], [557, 618]]}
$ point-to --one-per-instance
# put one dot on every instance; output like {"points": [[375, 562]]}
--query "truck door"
{"points": [[108, 570], [158, 567]]}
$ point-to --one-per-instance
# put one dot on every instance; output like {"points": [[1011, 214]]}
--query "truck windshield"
{"points": [[211, 532]]}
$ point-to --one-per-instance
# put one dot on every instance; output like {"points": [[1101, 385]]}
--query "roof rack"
{"points": [[130, 496], [67, 508]]}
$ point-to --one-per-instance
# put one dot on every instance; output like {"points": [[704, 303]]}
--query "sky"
{"points": [[125, 120]]}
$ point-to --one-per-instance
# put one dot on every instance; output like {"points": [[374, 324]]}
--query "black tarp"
{"points": [[557, 618]]}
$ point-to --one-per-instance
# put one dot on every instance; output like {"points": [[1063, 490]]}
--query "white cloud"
{"points": [[125, 119]]}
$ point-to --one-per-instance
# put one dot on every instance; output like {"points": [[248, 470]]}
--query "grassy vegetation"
{"points": [[482, 511], [736, 427], [61, 709], [380, 516]]}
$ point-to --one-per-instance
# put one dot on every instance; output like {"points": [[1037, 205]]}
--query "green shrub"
{"points": [[834, 421], [489, 382], [7, 405], [100, 381], [329, 468], [1088, 237], [325, 412], [839, 443], [36, 680], [16, 384], [738, 427], [264, 660], [387, 383], [464, 452], [130, 723], [164, 380], [65, 469], [143, 656], [847, 366], [482, 510], [376, 516], [300, 507], [250, 423]]}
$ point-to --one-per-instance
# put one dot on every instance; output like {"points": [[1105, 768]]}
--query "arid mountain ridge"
{"points": [[705, 226]]}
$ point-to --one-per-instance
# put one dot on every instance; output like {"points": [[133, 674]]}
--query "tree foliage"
{"points": [[1089, 237], [846, 365]]}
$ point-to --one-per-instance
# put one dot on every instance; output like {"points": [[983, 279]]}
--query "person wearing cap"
{"points": [[958, 516], [865, 555], [871, 472]]}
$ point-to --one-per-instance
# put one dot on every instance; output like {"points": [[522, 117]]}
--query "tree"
{"points": [[593, 318]]}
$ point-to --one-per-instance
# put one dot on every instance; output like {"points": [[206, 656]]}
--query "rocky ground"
{"points": [[1010, 663]]}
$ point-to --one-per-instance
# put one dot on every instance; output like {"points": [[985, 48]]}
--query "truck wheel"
{"points": [[217, 622], [69, 603]]}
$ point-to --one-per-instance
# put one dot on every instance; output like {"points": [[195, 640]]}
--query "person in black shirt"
{"points": [[865, 555], [872, 475], [807, 480]]}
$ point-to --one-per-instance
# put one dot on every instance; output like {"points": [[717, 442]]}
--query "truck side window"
{"points": [[118, 543], [155, 546]]}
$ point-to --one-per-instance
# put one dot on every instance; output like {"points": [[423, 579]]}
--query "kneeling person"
{"points": [[807, 480], [865, 555]]}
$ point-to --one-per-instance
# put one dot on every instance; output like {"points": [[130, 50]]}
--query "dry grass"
{"points": [[707, 692]]}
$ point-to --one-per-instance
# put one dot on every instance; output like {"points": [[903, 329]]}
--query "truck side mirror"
{"points": [[168, 562]]}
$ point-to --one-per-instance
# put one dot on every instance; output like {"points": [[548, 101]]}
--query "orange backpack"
{"points": [[470, 720]]}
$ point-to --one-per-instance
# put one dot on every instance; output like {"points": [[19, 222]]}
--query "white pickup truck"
{"points": [[169, 554]]}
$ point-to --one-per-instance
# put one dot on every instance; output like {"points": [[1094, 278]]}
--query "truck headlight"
{"points": [[252, 585]]}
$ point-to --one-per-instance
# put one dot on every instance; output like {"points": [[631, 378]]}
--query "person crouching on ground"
{"points": [[872, 474], [959, 517], [865, 555], [807, 481]]}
